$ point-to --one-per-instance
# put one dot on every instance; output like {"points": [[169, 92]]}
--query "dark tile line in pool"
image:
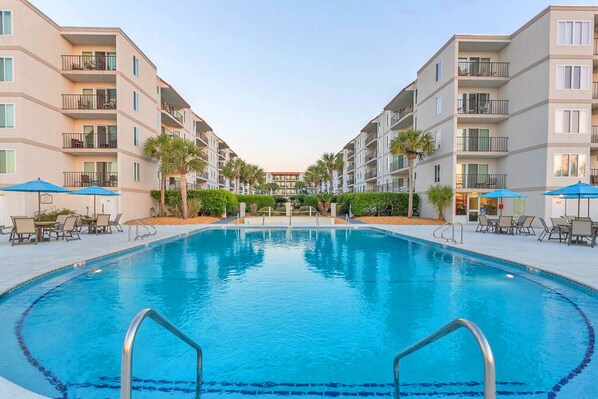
{"points": [[328, 393], [496, 259]]}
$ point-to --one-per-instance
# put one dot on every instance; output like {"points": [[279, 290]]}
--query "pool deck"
{"points": [[21, 263]]}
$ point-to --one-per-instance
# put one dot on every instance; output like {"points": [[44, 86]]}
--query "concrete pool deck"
{"points": [[21, 263]]}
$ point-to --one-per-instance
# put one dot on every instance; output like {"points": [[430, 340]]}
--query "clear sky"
{"points": [[283, 81]]}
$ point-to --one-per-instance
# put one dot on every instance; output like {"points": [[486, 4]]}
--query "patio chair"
{"points": [[567, 218], [505, 224], [483, 224], [24, 230], [68, 230], [60, 219], [116, 223], [102, 224], [581, 229], [520, 221], [526, 227], [549, 231], [12, 218]]}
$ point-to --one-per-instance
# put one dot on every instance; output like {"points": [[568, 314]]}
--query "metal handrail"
{"points": [[150, 229], [126, 373], [439, 232], [489, 366]]}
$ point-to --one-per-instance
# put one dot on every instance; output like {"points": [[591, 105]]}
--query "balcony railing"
{"points": [[594, 90], [369, 138], [89, 62], [393, 187], [222, 153], [371, 174], [397, 164], [222, 181], [481, 181], [401, 114], [596, 46], [485, 107], [350, 153], [351, 166], [202, 175], [84, 179], [203, 137], [594, 177], [371, 155], [350, 181], [594, 137], [172, 111], [204, 156], [88, 101], [482, 144], [88, 140], [484, 69]]}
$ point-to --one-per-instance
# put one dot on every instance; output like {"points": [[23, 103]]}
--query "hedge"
{"points": [[307, 200], [376, 204], [262, 201], [213, 202]]}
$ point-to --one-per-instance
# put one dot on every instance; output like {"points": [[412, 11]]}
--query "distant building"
{"points": [[286, 182]]}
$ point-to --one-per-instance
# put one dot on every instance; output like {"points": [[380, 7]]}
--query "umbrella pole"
{"points": [[94, 206], [578, 204], [39, 204]]}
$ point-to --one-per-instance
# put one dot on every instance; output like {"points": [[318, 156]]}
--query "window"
{"points": [[460, 204], [437, 173], [573, 33], [438, 71], [135, 101], [415, 122], [572, 77], [135, 136], [571, 121], [136, 171], [438, 105], [415, 96], [7, 115], [5, 69], [569, 165], [5, 22], [436, 138], [7, 162], [135, 66]]}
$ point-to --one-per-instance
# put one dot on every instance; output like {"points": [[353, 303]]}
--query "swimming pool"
{"points": [[299, 312]]}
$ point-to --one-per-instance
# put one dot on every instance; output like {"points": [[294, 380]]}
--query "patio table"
{"points": [[40, 227]]}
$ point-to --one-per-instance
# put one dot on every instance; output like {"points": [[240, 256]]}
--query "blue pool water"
{"points": [[299, 312]]}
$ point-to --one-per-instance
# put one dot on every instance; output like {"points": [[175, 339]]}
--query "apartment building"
{"points": [[515, 111], [286, 182], [76, 107]]}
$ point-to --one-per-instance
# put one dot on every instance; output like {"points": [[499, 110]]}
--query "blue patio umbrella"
{"points": [[502, 193], [576, 191], [36, 186], [95, 190]]}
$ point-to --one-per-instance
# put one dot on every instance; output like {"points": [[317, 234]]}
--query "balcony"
{"points": [[350, 166], [402, 118], [594, 90], [222, 153], [483, 110], [350, 154], [372, 174], [393, 187], [482, 144], [202, 176], [398, 164], [481, 181], [201, 139], [594, 135], [594, 177], [372, 155], [222, 181], [350, 181], [89, 68], [221, 165], [100, 106], [171, 116], [82, 142], [370, 138], [204, 156], [170, 133], [482, 74], [85, 179]]}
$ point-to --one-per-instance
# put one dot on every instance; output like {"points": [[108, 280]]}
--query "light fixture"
{"points": [[509, 276]]}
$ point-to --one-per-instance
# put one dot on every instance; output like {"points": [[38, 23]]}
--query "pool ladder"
{"points": [[449, 226], [148, 230], [489, 367], [126, 373]]}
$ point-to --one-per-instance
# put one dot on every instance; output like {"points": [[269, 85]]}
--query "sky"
{"points": [[283, 81]]}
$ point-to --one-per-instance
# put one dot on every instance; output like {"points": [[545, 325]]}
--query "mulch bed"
{"points": [[401, 220], [171, 220]]}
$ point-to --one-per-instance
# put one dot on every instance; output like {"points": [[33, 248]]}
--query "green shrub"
{"points": [[211, 202], [307, 200], [261, 201], [51, 215], [376, 204]]}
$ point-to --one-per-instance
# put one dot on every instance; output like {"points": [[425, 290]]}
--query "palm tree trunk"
{"points": [[184, 195], [250, 188], [236, 185], [162, 195], [410, 209]]}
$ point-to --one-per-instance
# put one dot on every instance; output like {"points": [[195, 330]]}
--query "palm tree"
{"points": [[253, 174], [412, 144], [300, 187], [315, 174], [155, 147], [184, 157], [332, 163], [271, 187], [440, 197], [233, 170]]}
